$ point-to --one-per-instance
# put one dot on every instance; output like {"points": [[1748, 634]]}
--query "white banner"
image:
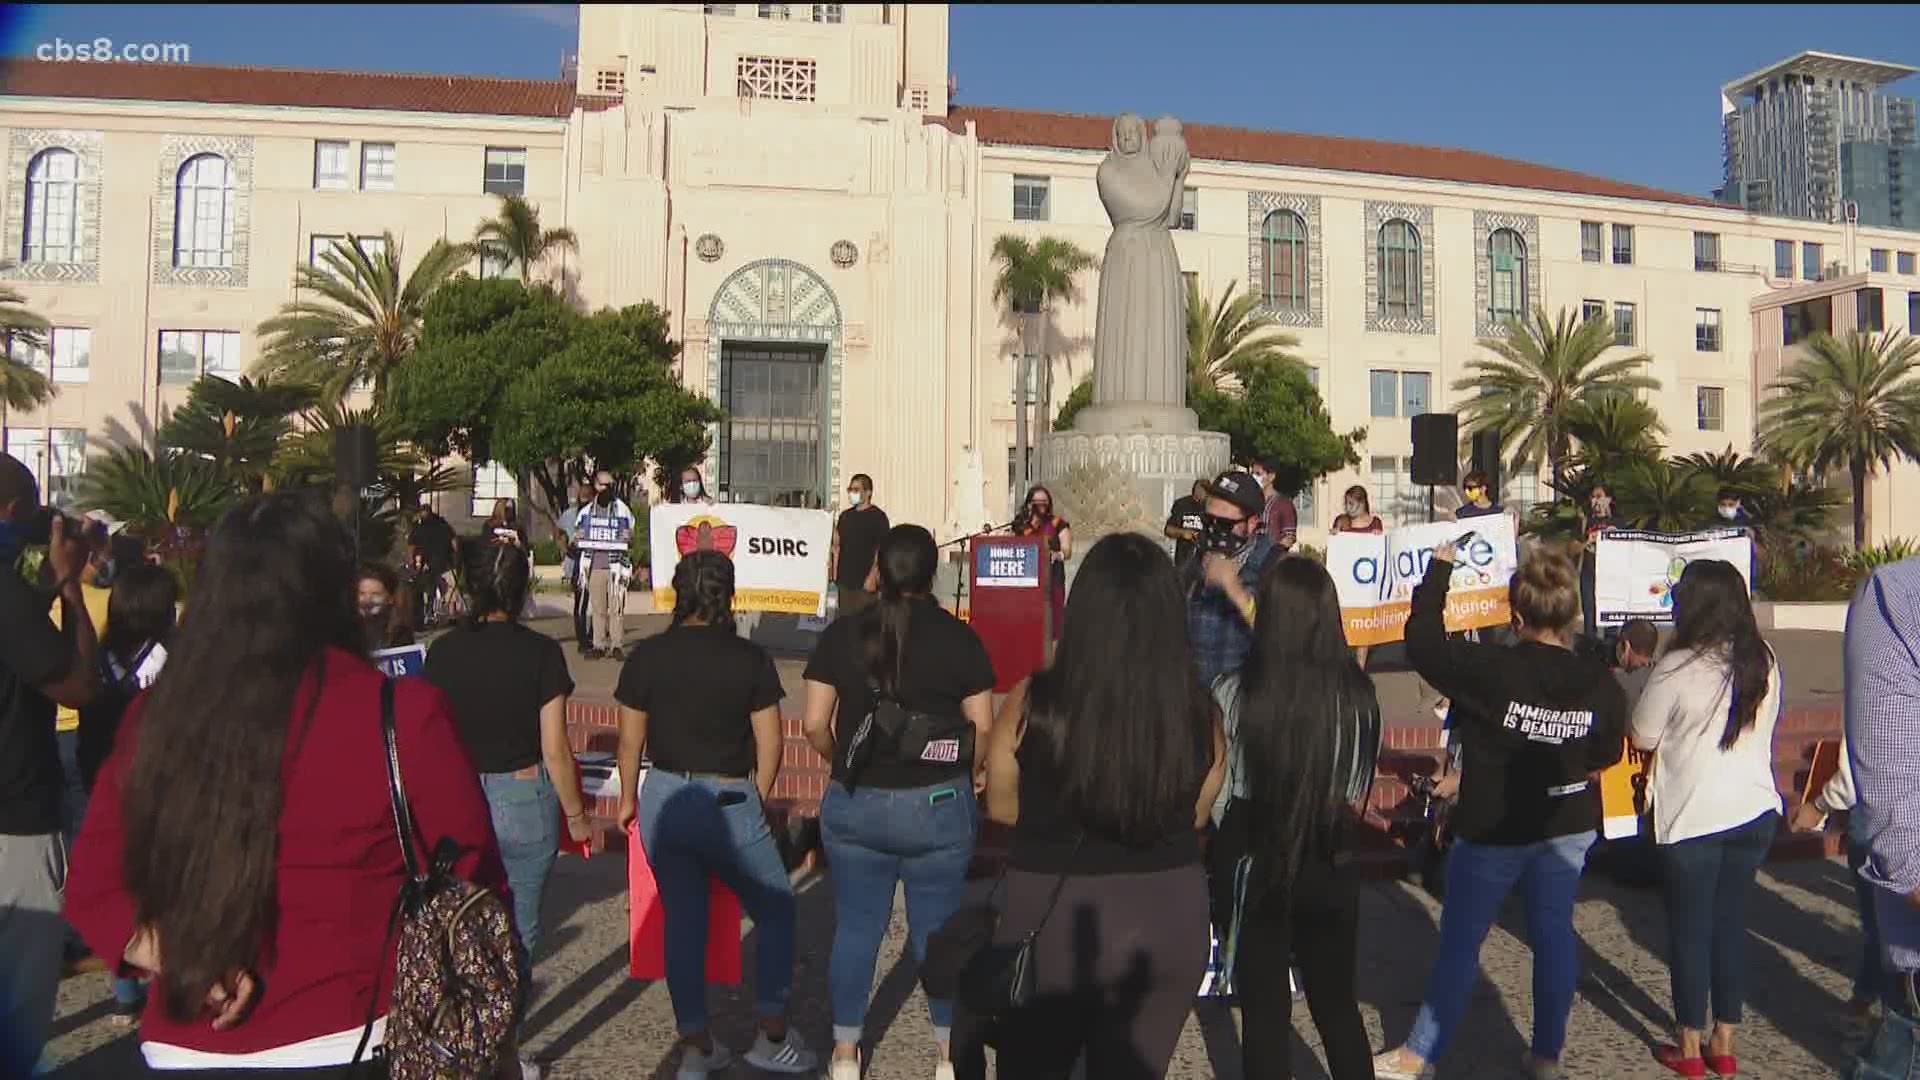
{"points": [[1375, 576], [779, 555], [1634, 572]]}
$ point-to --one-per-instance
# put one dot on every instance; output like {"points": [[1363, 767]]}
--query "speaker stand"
{"points": [[1429, 504]]}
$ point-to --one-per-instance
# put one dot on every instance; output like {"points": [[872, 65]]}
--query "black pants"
{"points": [[1317, 925], [582, 636]]}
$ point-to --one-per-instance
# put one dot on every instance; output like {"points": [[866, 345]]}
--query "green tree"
{"points": [[610, 397], [1541, 368], [1229, 340], [168, 499], [1658, 495], [21, 387], [237, 426], [1731, 470], [1032, 275], [1613, 433], [516, 240], [1847, 402], [1281, 417], [1080, 398], [362, 321]]}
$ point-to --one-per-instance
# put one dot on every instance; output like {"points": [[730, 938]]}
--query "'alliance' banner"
{"points": [[1375, 576], [1634, 572], [779, 554]]}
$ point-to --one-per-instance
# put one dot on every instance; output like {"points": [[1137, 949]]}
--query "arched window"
{"points": [[1397, 259], [53, 212], [1507, 276], [1284, 235], [203, 213]]}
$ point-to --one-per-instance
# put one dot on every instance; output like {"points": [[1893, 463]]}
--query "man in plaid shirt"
{"points": [[1883, 750], [1221, 584]]}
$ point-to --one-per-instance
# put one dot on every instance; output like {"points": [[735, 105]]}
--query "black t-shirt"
{"points": [[860, 534], [1187, 513], [32, 654], [945, 665], [699, 686], [497, 677], [433, 537], [1470, 510]]}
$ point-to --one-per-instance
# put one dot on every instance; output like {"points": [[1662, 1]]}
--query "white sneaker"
{"points": [[532, 1070], [842, 1069], [1386, 1067], [942, 1071], [695, 1065], [789, 1055]]}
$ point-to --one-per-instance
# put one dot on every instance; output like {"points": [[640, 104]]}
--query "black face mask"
{"points": [[1219, 536], [604, 498]]}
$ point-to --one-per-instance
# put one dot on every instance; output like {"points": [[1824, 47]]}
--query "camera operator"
{"points": [[1224, 574], [40, 667]]}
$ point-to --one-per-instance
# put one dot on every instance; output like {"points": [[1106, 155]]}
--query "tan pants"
{"points": [[606, 610]]}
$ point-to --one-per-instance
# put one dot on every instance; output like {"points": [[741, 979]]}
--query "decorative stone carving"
{"points": [[1098, 476], [1260, 204], [24, 144], [844, 254], [709, 247], [174, 152], [1484, 226], [782, 301], [1421, 218]]}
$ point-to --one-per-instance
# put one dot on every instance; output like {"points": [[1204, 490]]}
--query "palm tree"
{"points": [[238, 426], [364, 320], [1730, 470], [1848, 401], [1657, 495], [21, 387], [1613, 432], [516, 240], [1033, 274], [157, 494], [1228, 341], [1544, 366]]}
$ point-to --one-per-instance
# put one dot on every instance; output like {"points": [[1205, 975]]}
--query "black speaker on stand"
{"points": [[1436, 454], [356, 465]]}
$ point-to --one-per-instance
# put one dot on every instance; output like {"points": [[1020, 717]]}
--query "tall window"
{"points": [[53, 218], [1904, 261], [1590, 238], [318, 245], [1394, 496], [1520, 488], [1189, 209], [1623, 245], [1706, 251], [1810, 262], [1879, 260], [72, 349], [1706, 329], [1397, 261], [829, 13], [1507, 274], [1416, 393], [1383, 393], [330, 164], [376, 166], [1284, 235], [490, 482], [1913, 312], [1783, 259], [187, 354], [506, 171], [373, 247], [1870, 312], [773, 11], [1710, 408], [56, 457], [1030, 198], [1592, 309], [1623, 324], [203, 212], [1393, 394]]}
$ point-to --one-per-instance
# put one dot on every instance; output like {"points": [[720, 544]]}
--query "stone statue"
{"points": [[1140, 330]]}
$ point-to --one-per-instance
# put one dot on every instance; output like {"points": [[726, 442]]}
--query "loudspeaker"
{"points": [[1436, 441], [1486, 459], [356, 456]]}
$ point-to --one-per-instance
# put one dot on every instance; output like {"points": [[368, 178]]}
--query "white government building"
{"points": [[791, 183]]}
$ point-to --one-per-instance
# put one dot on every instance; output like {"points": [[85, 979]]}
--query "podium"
{"points": [[1009, 580]]}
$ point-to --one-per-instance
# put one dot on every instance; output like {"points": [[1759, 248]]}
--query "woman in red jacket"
{"points": [[240, 848]]}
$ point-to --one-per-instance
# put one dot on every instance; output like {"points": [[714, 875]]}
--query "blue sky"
{"points": [[1624, 92]]}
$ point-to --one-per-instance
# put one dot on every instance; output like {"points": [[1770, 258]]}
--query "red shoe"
{"points": [[1723, 1064], [1693, 1068]]}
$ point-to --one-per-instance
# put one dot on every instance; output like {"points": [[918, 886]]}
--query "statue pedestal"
{"points": [[1130, 418], [1127, 480]]}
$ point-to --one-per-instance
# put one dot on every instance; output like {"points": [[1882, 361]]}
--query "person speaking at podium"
{"points": [[1036, 518]]}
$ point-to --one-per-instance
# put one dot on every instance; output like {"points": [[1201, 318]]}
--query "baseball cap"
{"points": [[1240, 489]]}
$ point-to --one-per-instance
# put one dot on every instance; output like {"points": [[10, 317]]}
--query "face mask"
{"points": [[1219, 536], [604, 498], [1602, 505], [373, 610], [853, 498], [691, 489], [1354, 509], [1264, 481], [103, 575], [1729, 512]]}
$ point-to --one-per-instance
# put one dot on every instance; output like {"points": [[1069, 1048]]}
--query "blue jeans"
{"points": [[526, 820], [700, 828], [1479, 877], [1894, 1053], [876, 839], [1871, 980], [1707, 879]]}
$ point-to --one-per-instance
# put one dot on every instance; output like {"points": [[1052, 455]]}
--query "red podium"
{"points": [[1009, 579]]}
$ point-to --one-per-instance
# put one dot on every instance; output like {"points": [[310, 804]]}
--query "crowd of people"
{"points": [[1191, 770]]}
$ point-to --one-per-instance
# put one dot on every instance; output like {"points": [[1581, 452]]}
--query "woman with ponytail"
{"points": [[703, 704], [1708, 714], [896, 810]]}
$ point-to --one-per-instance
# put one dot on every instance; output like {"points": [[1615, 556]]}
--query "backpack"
{"points": [[456, 983], [100, 718]]}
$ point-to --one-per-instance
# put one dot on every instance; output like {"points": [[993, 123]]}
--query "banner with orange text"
{"points": [[1375, 576]]}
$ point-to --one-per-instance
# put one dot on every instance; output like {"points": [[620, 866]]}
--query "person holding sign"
{"points": [[603, 531], [1539, 720]]}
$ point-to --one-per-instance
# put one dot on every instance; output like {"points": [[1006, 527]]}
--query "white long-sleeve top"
{"points": [[1839, 793], [1699, 789]]}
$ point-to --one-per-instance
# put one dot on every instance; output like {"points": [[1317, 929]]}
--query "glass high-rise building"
{"points": [[1818, 136]]}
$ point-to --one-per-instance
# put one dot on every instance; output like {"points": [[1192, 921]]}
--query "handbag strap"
{"points": [[403, 828]]}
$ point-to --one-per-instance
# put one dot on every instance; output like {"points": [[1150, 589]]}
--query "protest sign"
{"points": [[1635, 572], [605, 534], [1375, 575], [779, 554], [401, 661]]}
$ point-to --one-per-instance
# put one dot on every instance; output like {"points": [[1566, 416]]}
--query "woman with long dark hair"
{"points": [[1106, 765], [240, 846], [1708, 714], [704, 704], [1537, 721], [1038, 519], [1304, 725], [385, 613], [896, 813], [508, 685]]}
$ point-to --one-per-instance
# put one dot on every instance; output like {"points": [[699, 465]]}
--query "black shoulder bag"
{"points": [[895, 733]]}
